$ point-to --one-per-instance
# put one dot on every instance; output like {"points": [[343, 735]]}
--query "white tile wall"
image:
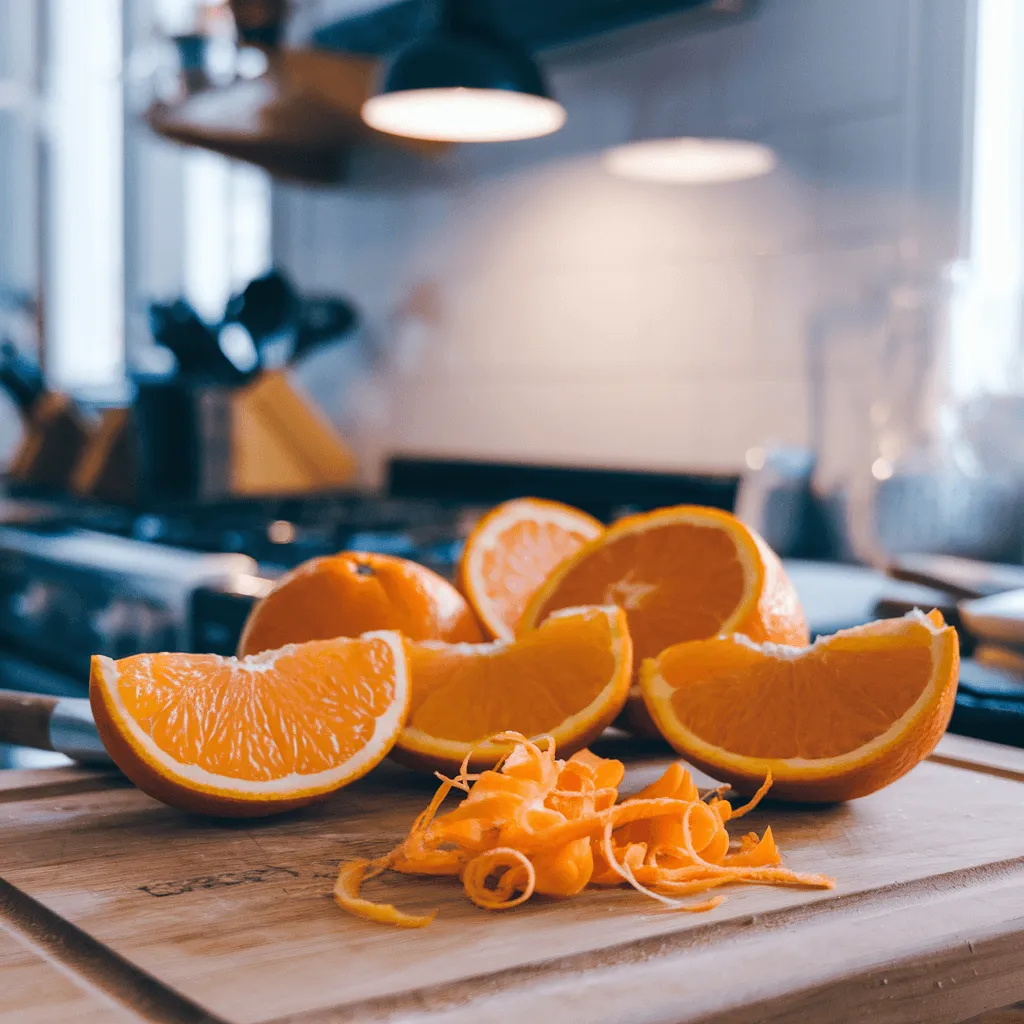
{"points": [[577, 318]]}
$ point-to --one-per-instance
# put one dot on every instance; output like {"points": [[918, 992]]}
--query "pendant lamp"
{"points": [[462, 82]]}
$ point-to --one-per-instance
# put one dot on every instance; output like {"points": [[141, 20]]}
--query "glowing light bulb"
{"points": [[690, 161], [755, 458], [463, 115], [881, 469], [281, 532]]}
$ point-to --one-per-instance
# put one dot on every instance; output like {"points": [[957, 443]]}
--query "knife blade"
{"points": [[61, 724]]}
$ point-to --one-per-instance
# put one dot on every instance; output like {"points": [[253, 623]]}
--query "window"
{"points": [[84, 268], [20, 252], [227, 229], [97, 216], [986, 338]]}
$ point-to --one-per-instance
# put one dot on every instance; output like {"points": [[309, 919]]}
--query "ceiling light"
{"points": [[463, 84], [690, 161], [464, 115]]}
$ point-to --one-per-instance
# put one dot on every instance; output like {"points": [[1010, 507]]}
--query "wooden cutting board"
{"points": [[180, 919], [35, 988]]}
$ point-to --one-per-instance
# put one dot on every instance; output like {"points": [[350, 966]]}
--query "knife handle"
{"points": [[25, 719]]}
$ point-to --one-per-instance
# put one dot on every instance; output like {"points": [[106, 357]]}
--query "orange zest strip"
{"points": [[518, 874], [537, 824], [626, 873], [346, 895], [754, 800]]}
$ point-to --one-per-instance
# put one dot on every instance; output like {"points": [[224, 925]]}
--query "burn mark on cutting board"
{"points": [[246, 876], [223, 880]]}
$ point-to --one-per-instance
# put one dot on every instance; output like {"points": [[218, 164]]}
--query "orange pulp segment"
{"points": [[833, 721], [252, 736], [568, 679]]}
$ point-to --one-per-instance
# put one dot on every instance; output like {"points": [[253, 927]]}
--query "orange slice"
{"points": [[256, 736], [833, 721], [512, 551], [353, 593], [683, 573], [568, 679]]}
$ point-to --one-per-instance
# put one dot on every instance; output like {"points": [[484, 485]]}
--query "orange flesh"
{"points": [[677, 582], [533, 685], [302, 710], [521, 560], [823, 702]]}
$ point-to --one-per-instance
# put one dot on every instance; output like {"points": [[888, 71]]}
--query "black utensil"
{"points": [[193, 342], [266, 310], [322, 321], [20, 378], [266, 305]]}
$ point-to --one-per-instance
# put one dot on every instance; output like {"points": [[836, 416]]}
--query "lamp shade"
{"points": [[457, 85]]}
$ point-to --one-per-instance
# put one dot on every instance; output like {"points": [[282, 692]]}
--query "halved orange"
{"points": [[834, 721], [352, 593], [568, 679], [510, 553], [1004, 659], [683, 573], [253, 736]]}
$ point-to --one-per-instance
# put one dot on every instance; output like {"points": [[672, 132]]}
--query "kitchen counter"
{"points": [[115, 908]]}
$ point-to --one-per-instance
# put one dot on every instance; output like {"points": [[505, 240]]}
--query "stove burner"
{"points": [[282, 534]]}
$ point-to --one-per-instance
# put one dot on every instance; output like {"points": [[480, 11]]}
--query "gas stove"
{"points": [[277, 534], [77, 582]]}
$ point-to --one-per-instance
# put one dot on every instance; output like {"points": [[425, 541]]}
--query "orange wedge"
{"points": [[250, 737], [833, 721], [683, 573], [353, 593], [568, 680], [510, 553]]}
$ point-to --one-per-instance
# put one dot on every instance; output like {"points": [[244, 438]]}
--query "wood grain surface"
{"points": [[186, 919], [19, 784], [1008, 1015], [977, 755], [33, 990]]}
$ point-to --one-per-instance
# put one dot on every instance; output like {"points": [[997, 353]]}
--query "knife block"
{"points": [[204, 442], [55, 437], [281, 443], [108, 467]]}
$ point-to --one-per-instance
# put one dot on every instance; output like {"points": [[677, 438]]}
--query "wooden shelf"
{"points": [[299, 121]]}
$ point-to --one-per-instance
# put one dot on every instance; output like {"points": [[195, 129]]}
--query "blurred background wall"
{"points": [[535, 307], [520, 302]]}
